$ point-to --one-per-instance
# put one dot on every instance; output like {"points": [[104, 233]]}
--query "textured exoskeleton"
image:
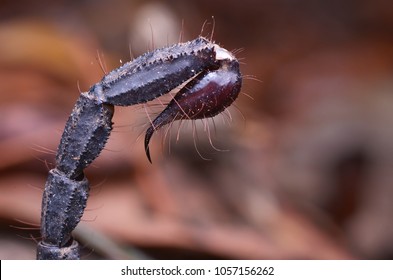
{"points": [[214, 83]]}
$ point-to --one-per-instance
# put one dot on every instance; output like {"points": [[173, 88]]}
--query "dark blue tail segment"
{"points": [[85, 135], [157, 72]]}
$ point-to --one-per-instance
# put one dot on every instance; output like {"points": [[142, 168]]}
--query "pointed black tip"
{"points": [[162, 119], [148, 155], [148, 136]]}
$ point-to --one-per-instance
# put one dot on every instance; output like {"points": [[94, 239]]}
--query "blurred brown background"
{"points": [[308, 174]]}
